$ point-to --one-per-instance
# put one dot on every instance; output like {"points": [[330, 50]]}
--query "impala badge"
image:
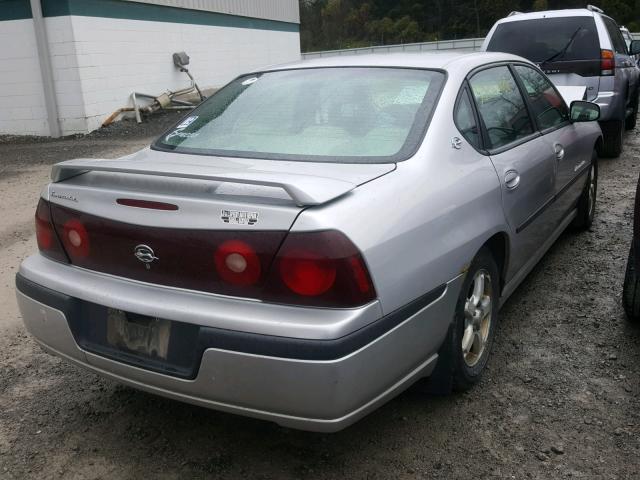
{"points": [[456, 143], [145, 254]]}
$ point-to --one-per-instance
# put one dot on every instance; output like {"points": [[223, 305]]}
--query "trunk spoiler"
{"points": [[306, 183]]}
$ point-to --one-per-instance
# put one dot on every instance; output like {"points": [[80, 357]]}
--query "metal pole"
{"points": [[45, 69]]}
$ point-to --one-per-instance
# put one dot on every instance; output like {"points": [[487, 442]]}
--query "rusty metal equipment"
{"points": [[165, 101]]}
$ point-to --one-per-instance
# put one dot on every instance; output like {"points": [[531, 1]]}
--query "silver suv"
{"points": [[579, 47], [628, 39]]}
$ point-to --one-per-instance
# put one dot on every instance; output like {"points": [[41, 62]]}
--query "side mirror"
{"points": [[634, 48], [581, 111]]}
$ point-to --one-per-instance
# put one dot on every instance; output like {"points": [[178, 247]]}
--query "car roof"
{"points": [[428, 60], [569, 12]]}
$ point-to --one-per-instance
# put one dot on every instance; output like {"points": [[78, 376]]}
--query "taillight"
{"points": [[607, 62], [321, 269], [237, 263], [48, 242], [306, 273], [75, 239], [152, 205], [318, 269]]}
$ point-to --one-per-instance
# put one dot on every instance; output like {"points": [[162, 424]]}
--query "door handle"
{"points": [[511, 179], [559, 150]]}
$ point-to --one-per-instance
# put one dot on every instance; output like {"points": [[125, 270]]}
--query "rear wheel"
{"points": [[465, 351], [587, 201], [612, 138], [631, 289]]}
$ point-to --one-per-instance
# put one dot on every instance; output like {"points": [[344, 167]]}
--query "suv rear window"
{"points": [[617, 40], [342, 115], [548, 39]]}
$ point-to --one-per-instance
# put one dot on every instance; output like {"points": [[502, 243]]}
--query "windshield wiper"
{"points": [[564, 49]]}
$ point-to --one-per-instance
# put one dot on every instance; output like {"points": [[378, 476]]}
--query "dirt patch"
{"points": [[559, 400]]}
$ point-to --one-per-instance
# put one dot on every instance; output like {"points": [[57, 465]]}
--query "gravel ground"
{"points": [[559, 400]]}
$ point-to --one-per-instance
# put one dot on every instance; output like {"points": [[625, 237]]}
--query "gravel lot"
{"points": [[560, 398]]}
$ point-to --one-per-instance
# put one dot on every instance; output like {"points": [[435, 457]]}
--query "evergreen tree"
{"points": [[332, 24]]}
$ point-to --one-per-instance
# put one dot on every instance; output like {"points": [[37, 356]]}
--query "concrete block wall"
{"points": [[100, 56], [22, 107], [116, 57], [66, 75]]}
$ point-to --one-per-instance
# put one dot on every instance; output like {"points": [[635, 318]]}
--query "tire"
{"points": [[612, 138], [587, 201], [631, 289], [630, 122], [460, 368]]}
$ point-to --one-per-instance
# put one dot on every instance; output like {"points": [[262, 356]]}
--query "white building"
{"points": [[67, 65]]}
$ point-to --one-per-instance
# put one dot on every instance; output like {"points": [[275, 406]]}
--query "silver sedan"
{"points": [[316, 237]]}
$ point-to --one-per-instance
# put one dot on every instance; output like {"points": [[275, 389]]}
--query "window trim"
{"points": [[516, 143], [523, 90], [404, 154]]}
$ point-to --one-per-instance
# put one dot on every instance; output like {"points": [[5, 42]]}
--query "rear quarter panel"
{"points": [[421, 225]]}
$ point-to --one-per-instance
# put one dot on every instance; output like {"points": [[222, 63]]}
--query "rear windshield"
{"points": [[349, 115], [548, 39]]}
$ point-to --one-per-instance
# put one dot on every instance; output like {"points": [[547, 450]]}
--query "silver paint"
{"points": [[313, 395]]}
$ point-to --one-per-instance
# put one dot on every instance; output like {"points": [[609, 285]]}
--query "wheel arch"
{"points": [[598, 145], [498, 246]]}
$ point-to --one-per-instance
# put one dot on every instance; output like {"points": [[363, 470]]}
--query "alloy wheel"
{"points": [[477, 317], [592, 190]]}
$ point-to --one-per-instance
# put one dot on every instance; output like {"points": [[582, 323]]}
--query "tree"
{"points": [[330, 24], [539, 5]]}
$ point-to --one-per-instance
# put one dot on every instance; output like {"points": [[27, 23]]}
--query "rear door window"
{"points": [[548, 39], [615, 35], [627, 39], [548, 107], [466, 121], [500, 106]]}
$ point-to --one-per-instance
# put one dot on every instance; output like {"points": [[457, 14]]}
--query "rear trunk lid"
{"points": [[305, 183], [161, 217]]}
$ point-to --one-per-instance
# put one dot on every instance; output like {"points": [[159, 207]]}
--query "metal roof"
{"points": [[279, 10], [569, 12], [431, 60]]}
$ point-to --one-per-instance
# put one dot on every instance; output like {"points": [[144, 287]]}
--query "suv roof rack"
{"points": [[593, 8], [514, 13]]}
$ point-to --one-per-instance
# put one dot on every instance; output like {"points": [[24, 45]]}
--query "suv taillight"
{"points": [[48, 242], [607, 63], [322, 269]]}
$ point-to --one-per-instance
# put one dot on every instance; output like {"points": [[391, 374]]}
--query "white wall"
{"points": [[98, 62], [116, 57], [22, 107], [66, 75]]}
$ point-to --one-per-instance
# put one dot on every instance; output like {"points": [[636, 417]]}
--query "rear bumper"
{"points": [[320, 385]]}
